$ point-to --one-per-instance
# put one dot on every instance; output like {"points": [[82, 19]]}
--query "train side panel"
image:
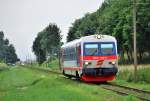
{"points": [[71, 63]]}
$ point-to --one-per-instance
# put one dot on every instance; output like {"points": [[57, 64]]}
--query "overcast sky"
{"points": [[21, 20]]}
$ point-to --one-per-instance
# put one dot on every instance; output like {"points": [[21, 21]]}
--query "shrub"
{"points": [[143, 75]]}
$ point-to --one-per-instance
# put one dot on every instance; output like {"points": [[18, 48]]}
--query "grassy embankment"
{"points": [[21, 84]]}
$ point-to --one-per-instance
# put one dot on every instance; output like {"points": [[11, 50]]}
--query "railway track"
{"points": [[124, 90], [143, 95], [133, 89], [44, 70]]}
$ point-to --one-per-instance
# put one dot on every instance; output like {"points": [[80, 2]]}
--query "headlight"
{"points": [[112, 62], [98, 36], [86, 63]]}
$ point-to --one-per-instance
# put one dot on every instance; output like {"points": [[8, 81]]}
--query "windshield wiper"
{"points": [[94, 52]]}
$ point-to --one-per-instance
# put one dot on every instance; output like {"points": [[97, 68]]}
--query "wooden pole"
{"points": [[134, 40]]}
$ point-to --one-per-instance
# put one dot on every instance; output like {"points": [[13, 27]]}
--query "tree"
{"points": [[10, 54], [114, 18], [71, 34], [7, 51], [47, 43], [51, 38], [37, 49]]}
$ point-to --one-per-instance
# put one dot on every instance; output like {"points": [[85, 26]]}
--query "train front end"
{"points": [[99, 59]]}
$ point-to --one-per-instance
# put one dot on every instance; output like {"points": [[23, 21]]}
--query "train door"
{"points": [[78, 55]]}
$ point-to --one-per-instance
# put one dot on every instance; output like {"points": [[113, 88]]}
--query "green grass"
{"points": [[3, 65], [53, 65], [21, 84], [143, 75]]}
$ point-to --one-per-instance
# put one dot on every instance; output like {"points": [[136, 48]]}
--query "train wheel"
{"points": [[69, 76]]}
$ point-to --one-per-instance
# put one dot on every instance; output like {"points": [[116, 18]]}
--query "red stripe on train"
{"points": [[72, 68], [99, 57]]}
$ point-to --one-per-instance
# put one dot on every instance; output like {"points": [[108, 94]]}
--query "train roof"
{"points": [[91, 38]]}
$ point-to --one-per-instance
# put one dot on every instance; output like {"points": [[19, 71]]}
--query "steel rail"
{"points": [[124, 93], [130, 88]]}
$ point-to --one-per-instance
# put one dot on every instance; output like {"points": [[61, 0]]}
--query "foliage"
{"points": [[7, 50], [47, 43], [37, 49], [114, 18], [3, 65], [52, 64], [143, 75]]}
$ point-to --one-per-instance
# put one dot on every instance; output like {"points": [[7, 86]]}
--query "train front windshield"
{"points": [[99, 49]]}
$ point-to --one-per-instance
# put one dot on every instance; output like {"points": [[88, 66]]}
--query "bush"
{"points": [[3, 65], [143, 75]]}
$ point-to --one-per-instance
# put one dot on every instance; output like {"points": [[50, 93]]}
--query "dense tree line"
{"points": [[47, 43], [114, 18], [7, 50]]}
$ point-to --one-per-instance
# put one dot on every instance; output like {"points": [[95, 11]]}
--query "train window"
{"points": [[91, 49], [69, 54], [107, 49]]}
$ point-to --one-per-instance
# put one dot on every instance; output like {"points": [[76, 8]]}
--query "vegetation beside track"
{"points": [[52, 65], [48, 65], [143, 75], [3, 65], [22, 84]]}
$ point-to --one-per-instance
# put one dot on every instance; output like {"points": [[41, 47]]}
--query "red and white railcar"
{"points": [[91, 58]]}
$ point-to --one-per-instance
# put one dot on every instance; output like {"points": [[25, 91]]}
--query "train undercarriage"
{"points": [[94, 74]]}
